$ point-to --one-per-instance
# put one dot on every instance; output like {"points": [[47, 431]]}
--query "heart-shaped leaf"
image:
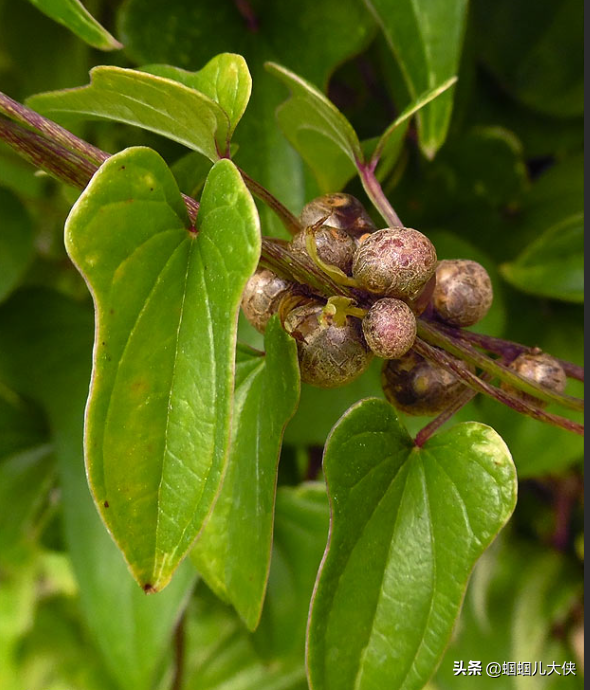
{"points": [[145, 100], [167, 300], [233, 551], [73, 15], [318, 130], [407, 526], [225, 80], [553, 265], [426, 37]]}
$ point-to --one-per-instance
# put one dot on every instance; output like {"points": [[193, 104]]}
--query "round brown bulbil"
{"points": [[341, 211], [418, 387], [334, 246], [390, 328], [394, 262], [262, 297], [541, 369], [329, 355], [463, 292]]}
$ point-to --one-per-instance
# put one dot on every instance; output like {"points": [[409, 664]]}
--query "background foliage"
{"points": [[504, 188]]}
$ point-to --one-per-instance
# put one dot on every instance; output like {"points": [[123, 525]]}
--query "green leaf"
{"points": [[301, 531], [426, 37], [158, 420], [553, 265], [318, 131], [420, 102], [225, 80], [535, 48], [45, 353], [220, 654], [16, 242], [407, 526], [73, 15], [157, 104], [231, 555]]}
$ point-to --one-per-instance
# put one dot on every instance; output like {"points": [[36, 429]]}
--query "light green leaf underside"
{"points": [[145, 100], [425, 37], [157, 428], [233, 551], [225, 80], [553, 265], [318, 130], [407, 527], [74, 16]]}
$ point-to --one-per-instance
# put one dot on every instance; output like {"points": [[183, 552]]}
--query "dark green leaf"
{"points": [[553, 266], [16, 242], [159, 412], [233, 551], [155, 103], [301, 531], [407, 526], [535, 48], [426, 37], [45, 353], [73, 15]]}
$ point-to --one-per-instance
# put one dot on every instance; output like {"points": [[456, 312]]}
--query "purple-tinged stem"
{"points": [[50, 130], [468, 353], [375, 193], [476, 383], [507, 348], [287, 218]]}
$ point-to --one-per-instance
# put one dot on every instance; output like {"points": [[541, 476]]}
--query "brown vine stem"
{"points": [[288, 219], [460, 401], [445, 360], [469, 354], [506, 348], [179, 653]]}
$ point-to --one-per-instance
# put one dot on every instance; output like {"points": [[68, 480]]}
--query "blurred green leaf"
{"points": [[420, 518], [535, 48], [301, 532], [221, 655], [232, 557], [426, 37], [519, 594], [553, 265], [45, 353], [16, 242], [167, 302], [155, 103], [73, 15]]}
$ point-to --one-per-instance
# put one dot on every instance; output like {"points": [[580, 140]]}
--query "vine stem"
{"points": [[460, 401], [469, 354], [288, 219], [375, 193], [506, 348], [445, 360]]}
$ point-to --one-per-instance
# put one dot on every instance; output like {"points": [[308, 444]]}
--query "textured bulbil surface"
{"points": [[542, 369], [262, 296], [334, 246], [329, 355], [343, 211], [395, 262], [416, 386], [463, 292], [390, 328]]}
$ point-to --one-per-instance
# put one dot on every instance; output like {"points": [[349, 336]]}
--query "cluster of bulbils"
{"points": [[397, 272]]}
